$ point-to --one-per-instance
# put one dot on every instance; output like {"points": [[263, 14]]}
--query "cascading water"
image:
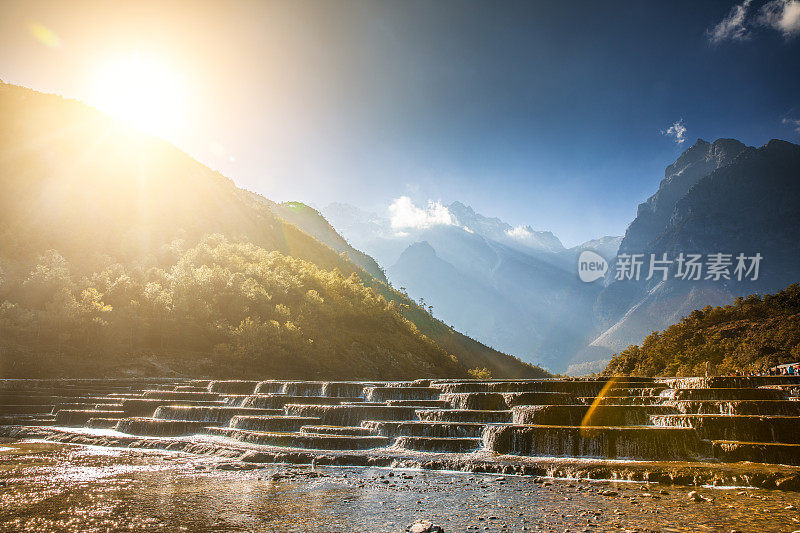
{"points": [[444, 430], [210, 415], [687, 419], [272, 423], [464, 415], [382, 394], [636, 443], [232, 386], [160, 428], [351, 415]]}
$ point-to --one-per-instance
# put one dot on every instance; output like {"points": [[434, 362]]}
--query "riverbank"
{"points": [[48, 486]]}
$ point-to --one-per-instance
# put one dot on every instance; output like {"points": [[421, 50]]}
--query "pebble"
{"points": [[424, 526]]}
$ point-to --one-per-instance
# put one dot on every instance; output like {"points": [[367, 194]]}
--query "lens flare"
{"points": [[587, 423], [43, 34]]}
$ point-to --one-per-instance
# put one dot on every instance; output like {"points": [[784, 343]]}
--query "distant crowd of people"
{"points": [[785, 370], [789, 369]]}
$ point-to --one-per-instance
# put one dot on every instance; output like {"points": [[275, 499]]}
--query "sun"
{"points": [[142, 91]]}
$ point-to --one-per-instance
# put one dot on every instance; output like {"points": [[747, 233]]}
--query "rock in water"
{"points": [[696, 496], [424, 526]]}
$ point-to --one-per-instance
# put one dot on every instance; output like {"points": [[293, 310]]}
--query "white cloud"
{"points": [[677, 131], [782, 15], [792, 122], [520, 233], [404, 214], [731, 27]]}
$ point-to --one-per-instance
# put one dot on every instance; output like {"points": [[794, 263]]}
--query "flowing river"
{"points": [[47, 486]]}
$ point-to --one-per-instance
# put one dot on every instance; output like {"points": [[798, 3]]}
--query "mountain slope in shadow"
{"points": [[749, 205]]}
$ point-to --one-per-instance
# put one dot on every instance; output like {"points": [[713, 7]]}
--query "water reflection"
{"points": [[52, 487]]}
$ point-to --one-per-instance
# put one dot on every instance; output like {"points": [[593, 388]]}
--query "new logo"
{"points": [[591, 266]]}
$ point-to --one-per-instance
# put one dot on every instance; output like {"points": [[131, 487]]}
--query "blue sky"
{"points": [[548, 114]]}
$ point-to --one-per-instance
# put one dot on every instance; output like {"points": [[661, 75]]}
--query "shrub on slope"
{"points": [[750, 335]]}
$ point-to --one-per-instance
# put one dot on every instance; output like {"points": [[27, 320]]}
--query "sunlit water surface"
{"points": [[56, 487]]}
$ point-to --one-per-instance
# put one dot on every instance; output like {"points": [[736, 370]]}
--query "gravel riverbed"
{"points": [[47, 486]]}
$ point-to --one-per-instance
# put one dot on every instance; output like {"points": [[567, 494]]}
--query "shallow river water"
{"points": [[56, 487]]}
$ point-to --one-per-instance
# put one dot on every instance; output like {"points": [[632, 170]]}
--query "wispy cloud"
{"points": [[406, 215], [677, 131], [781, 15], [793, 123], [731, 27]]}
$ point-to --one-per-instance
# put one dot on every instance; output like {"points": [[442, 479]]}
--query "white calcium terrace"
{"points": [[693, 430]]}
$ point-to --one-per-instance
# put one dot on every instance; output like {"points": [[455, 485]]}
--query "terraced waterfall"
{"points": [[723, 430]]}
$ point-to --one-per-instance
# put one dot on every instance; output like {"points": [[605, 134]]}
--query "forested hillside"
{"points": [[120, 254], [750, 335], [312, 222]]}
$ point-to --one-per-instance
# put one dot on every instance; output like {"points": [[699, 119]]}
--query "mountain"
{"points": [[513, 288], [368, 231], [693, 164], [523, 238], [471, 353], [653, 215], [607, 246], [752, 334], [517, 289], [748, 203], [119, 254]]}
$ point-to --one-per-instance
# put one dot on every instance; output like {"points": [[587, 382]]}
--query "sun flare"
{"points": [[142, 91]]}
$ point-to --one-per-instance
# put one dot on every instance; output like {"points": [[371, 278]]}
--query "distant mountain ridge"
{"points": [[471, 353], [495, 229]]}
